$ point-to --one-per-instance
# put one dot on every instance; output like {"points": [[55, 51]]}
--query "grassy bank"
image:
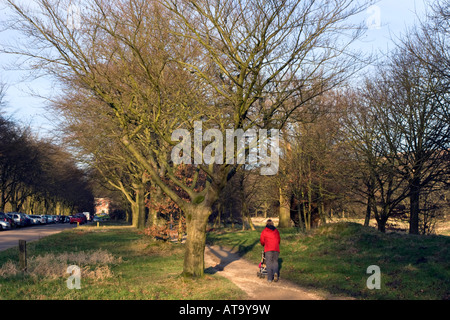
{"points": [[116, 263], [335, 258], [119, 263]]}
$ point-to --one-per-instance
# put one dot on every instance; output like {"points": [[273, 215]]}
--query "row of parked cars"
{"points": [[16, 219]]}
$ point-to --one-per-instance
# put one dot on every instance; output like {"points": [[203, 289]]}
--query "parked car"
{"points": [[83, 217], [4, 225], [11, 215], [79, 217], [5, 217], [50, 218], [34, 219], [20, 219], [16, 218], [27, 219], [42, 219]]}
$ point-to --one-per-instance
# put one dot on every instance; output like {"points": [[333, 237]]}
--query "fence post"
{"points": [[23, 255]]}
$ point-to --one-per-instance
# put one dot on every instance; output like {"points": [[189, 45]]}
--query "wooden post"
{"points": [[23, 255]]}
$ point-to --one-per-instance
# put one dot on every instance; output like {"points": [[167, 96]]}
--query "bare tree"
{"points": [[376, 176], [415, 110], [400, 131], [96, 143], [316, 159], [37, 175], [429, 41]]}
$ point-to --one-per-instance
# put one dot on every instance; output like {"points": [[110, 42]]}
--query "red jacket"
{"points": [[270, 239]]}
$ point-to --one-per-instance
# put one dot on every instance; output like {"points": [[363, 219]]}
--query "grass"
{"points": [[335, 258], [117, 263]]}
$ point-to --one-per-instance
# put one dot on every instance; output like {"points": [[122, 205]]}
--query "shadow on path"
{"points": [[227, 256]]}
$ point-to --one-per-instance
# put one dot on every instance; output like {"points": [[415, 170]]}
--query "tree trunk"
{"points": [[308, 222], [321, 204], [134, 214], [2, 205], [368, 211], [381, 225], [129, 214], [370, 201], [13, 206], [194, 256], [154, 197], [285, 214], [138, 208], [152, 218], [414, 208], [382, 218], [266, 208], [250, 223], [217, 222], [243, 215]]}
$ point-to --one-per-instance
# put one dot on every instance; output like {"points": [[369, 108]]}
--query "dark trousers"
{"points": [[271, 263]]}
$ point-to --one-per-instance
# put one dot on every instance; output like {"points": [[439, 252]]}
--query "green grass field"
{"points": [[117, 263], [335, 258]]}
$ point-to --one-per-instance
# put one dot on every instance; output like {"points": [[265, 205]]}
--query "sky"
{"points": [[386, 20]]}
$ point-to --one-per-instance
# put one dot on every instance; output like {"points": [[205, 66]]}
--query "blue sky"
{"points": [[394, 15]]}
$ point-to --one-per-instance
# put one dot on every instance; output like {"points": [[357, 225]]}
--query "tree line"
{"points": [[133, 72], [37, 176]]}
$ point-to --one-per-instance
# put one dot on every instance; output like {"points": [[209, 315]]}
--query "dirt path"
{"points": [[243, 273]]}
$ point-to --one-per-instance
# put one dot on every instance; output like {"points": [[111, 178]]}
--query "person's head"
{"points": [[269, 223]]}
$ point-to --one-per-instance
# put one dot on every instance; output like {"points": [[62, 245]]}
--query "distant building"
{"points": [[102, 205]]}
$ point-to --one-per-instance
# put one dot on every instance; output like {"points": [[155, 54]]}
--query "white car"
{"points": [[42, 219], [34, 219], [5, 225]]}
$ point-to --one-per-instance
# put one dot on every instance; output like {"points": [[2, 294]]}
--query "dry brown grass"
{"points": [[9, 269], [93, 265]]}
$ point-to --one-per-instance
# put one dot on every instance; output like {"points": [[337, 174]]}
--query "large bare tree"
{"points": [[415, 110]]}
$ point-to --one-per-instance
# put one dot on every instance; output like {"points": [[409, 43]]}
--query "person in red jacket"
{"points": [[270, 240]]}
